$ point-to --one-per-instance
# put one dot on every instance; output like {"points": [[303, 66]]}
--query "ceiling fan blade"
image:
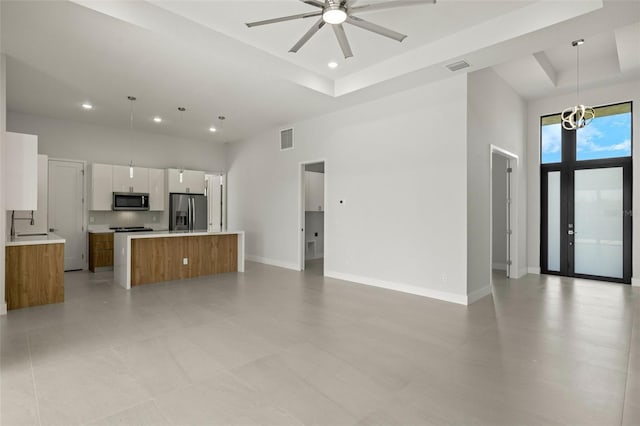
{"points": [[370, 26], [305, 38], [389, 5], [342, 40], [315, 3], [284, 18]]}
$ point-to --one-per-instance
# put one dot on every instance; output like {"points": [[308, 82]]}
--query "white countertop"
{"points": [[32, 240], [162, 234], [101, 231]]}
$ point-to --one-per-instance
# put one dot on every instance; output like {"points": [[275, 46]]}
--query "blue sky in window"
{"points": [[605, 137], [551, 143]]}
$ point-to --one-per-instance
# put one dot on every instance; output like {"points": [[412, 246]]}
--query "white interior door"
{"points": [[66, 207]]}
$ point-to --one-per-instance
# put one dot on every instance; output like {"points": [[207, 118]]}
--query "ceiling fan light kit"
{"points": [[334, 14], [338, 12]]}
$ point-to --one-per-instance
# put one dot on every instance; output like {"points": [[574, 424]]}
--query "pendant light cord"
{"points": [[578, 75]]}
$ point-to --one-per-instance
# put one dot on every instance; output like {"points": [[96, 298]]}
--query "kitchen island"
{"points": [[150, 257], [34, 270]]}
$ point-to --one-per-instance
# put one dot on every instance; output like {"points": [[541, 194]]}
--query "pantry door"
{"points": [[66, 209]]}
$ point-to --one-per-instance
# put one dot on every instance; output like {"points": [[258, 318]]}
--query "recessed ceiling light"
{"points": [[157, 119], [332, 65], [87, 105], [212, 129]]}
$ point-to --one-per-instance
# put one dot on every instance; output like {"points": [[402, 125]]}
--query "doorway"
{"points": [[214, 190], [66, 209], [586, 197], [312, 217], [501, 182], [504, 172]]}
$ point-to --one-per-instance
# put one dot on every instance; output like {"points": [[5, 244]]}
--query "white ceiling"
{"points": [[200, 55]]}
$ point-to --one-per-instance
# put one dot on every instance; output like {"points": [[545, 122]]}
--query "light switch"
{"points": [[185, 261]]}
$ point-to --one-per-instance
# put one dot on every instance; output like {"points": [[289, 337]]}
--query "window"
{"points": [[608, 135], [551, 139]]}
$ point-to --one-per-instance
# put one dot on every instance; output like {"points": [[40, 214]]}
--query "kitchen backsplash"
{"points": [[156, 220]]}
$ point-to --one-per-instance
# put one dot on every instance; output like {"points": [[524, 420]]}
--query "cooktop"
{"points": [[130, 229]]}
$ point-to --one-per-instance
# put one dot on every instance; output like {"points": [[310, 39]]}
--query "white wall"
{"points": [[100, 144], [600, 96], [497, 115], [398, 163], [499, 211], [3, 128]]}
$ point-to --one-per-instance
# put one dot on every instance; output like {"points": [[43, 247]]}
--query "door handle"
{"points": [[570, 232]]}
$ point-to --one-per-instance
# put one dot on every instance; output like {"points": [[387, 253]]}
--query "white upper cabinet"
{"points": [[157, 193], [314, 191], [21, 171], [123, 182], [192, 181], [101, 186]]}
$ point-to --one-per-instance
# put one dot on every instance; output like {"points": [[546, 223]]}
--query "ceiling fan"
{"points": [[337, 12]]}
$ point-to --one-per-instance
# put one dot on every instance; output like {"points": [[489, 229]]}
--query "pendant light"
{"points": [[181, 174], [578, 116], [132, 99]]}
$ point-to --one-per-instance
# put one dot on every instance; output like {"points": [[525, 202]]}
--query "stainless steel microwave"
{"points": [[130, 201]]}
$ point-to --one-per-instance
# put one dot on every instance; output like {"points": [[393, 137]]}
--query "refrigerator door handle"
{"points": [[194, 214], [188, 214]]}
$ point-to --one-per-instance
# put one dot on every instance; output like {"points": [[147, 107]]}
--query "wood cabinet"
{"points": [[162, 259], [100, 250], [314, 191], [192, 181], [20, 171], [157, 193], [123, 182], [34, 275], [100, 186]]}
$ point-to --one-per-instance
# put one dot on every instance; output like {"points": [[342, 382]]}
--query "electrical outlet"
{"points": [[315, 234], [92, 219], [153, 219], [185, 261]]}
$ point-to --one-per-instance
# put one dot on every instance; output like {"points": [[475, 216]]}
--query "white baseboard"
{"points": [[533, 270], [404, 288], [315, 258], [3, 309], [521, 273], [500, 266], [272, 262], [478, 294], [635, 282]]}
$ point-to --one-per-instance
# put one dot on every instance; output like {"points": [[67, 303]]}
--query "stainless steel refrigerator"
{"points": [[188, 212]]}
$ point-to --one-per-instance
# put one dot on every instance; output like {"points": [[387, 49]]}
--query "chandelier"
{"points": [[578, 116]]}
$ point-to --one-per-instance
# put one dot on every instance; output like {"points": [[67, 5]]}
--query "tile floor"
{"points": [[278, 347]]}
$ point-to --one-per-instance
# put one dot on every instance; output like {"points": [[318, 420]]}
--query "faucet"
{"points": [[14, 218]]}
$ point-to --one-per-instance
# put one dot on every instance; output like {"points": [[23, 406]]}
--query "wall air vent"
{"points": [[286, 139], [456, 66]]}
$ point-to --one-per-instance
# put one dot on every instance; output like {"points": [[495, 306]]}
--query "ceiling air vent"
{"points": [[456, 66], [286, 139]]}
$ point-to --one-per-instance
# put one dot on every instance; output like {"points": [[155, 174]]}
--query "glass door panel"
{"points": [[553, 221], [598, 216]]}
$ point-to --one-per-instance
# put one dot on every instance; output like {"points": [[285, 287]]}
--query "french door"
{"points": [[586, 210]]}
